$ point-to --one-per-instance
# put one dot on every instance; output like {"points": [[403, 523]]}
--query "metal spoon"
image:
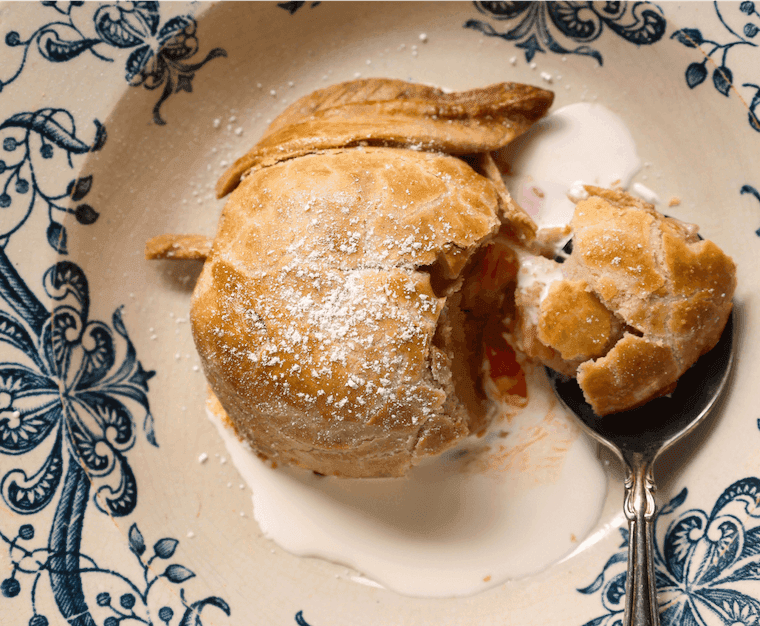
{"points": [[638, 437]]}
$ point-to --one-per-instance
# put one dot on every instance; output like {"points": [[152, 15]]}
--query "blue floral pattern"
{"points": [[706, 565], [71, 387], [159, 52], [133, 597], [295, 5], [558, 26], [300, 621], [754, 192], [717, 54], [66, 383], [31, 142]]}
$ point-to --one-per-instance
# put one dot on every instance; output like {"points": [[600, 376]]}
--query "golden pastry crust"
{"points": [[360, 207], [516, 223], [178, 247], [639, 286], [574, 322], [315, 315], [636, 370], [328, 316], [385, 112]]}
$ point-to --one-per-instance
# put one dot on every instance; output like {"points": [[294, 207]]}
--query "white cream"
{"points": [[536, 270], [579, 143], [645, 193], [458, 524], [577, 191]]}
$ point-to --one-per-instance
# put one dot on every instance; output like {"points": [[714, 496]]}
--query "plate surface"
{"points": [[116, 120]]}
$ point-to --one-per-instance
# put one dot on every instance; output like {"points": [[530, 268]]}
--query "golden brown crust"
{"points": [[632, 373], [517, 223], [178, 247], [387, 112], [645, 272], [360, 207], [321, 313], [574, 322], [314, 315]]}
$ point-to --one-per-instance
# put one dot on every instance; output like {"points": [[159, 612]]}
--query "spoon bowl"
{"points": [[638, 437]]}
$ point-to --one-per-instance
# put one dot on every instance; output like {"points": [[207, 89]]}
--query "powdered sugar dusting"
{"points": [[323, 291]]}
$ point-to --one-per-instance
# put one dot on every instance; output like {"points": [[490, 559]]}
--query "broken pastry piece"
{"points": [[331, 316], [636, 303], [178, 247]]}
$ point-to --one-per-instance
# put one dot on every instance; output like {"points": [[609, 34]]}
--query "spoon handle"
{"points": [[641, 607]]}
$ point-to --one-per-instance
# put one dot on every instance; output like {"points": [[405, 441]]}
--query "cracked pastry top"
{"points": [[329, 315], [640, 298]]}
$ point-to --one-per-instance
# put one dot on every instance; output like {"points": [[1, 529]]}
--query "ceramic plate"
{"points": [[115, 122]]}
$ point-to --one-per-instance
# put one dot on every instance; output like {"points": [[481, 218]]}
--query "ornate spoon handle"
{"points": [[641, 607]]}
